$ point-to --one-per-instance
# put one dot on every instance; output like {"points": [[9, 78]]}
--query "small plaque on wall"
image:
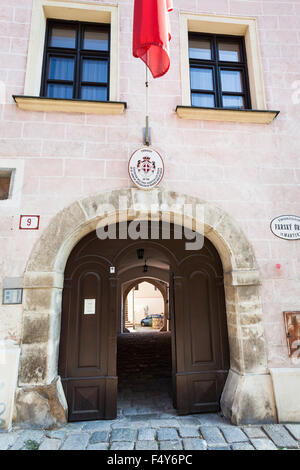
{"points": [[29, 222], [292, 328], [286, 227], [12, 296], [89, 306], [146, 168]]}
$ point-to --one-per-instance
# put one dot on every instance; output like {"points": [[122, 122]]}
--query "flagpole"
{"points": [[147, 135], [151, 28]]}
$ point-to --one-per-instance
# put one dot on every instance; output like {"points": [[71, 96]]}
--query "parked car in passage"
{"points": [[147, 321]]}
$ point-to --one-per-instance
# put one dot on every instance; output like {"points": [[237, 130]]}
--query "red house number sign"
{"points": [[29, 222]]}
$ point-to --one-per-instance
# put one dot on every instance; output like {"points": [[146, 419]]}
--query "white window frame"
{"points": [[234, 26], [69, 11]]}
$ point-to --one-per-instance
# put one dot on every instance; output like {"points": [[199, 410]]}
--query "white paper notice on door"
{"points": [[89, 306]]}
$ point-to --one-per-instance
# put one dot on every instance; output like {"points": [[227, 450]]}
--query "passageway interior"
{"points": [[144, 368], [144, 354]]}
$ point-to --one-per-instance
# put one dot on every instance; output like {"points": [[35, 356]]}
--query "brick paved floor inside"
{"points": [[144, 365], [146, 418]]}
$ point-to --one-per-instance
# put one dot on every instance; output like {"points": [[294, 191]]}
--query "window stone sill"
{"points": [[227, 115], [36, 103]]}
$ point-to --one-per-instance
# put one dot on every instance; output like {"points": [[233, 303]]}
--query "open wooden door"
{"points": [[87, 363], [201, 342], [171, 318]]}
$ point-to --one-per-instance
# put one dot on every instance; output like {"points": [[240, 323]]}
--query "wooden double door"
{"points": [[90, 315]]}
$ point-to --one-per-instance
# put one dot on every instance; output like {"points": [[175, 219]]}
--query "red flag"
{"points": [[151, 34]]}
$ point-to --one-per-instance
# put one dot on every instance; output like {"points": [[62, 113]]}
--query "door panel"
{"points": [[86, 355], [198, 392], [90, 288], [200, 319], [171, 316], [201, 334], [85, 398]]}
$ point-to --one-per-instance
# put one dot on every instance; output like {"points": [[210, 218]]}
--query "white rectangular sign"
{"points": [[89, 306], [29, 222], [12, 296]]}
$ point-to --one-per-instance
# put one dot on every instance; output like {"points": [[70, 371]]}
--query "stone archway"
{"points": [[248, 393]]}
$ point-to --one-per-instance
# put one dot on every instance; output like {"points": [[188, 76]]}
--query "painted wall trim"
{"points": [[33, 103], [222, 114]]}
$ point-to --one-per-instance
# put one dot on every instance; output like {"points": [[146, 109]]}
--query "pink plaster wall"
{"points": [[250, 170]]}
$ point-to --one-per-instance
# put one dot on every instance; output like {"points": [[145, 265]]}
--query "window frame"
{"points": [[8, 173], [14, 167], [79, 54], [217, 65]]}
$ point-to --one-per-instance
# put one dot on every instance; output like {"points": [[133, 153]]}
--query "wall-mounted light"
{"points": [[145, 269]]}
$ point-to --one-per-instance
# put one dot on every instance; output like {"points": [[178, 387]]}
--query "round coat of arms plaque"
{"points": [[146, 168]]}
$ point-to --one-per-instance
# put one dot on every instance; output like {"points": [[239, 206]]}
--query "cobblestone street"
{"points": [[147, 421], [146, 432]]}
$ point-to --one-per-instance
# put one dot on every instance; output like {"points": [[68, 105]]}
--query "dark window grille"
{"points": [[218, 72], [76, 61]]}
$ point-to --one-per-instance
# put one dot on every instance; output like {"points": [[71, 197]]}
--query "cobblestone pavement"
{"points": [[147, 421], [142, 431]]}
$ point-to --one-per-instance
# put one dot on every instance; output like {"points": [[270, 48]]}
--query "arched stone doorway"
{"points": [[248, 393], [87, 361]]}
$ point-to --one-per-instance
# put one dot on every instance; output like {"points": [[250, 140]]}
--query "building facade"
{"points": [[225, 119]]}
